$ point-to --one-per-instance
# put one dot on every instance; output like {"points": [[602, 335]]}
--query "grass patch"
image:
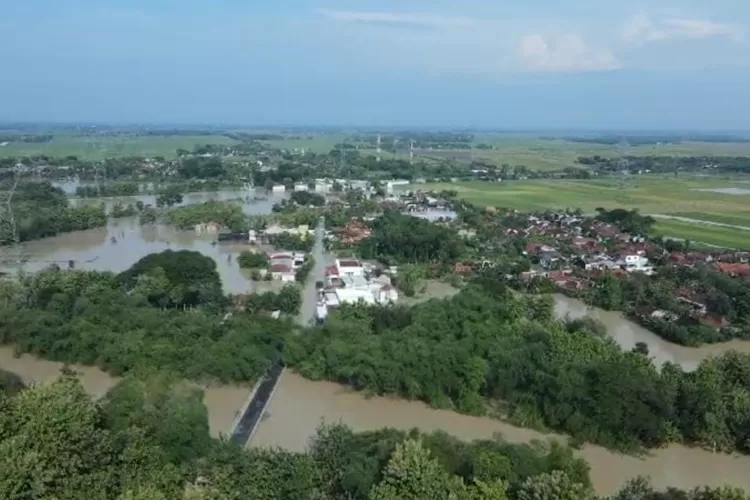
{"points": [[737, 219], [713, 235], [310, 143], [649, 194], [98, 148]]}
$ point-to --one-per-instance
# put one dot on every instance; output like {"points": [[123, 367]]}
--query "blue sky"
{"points": [[538, 64]]}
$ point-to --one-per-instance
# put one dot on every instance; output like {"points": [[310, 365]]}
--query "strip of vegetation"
{"points": [[40, 210]]}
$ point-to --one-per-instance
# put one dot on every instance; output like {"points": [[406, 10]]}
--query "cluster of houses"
{"points": [[350, 281], [323, 186]]}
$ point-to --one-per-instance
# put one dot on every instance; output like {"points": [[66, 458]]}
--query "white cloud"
{"points": [[390, 18], [641, 30], [568, 53]]}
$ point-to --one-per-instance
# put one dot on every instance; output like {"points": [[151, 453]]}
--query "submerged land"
{"points": [[592, 289]]}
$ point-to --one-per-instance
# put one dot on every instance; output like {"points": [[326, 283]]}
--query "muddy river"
{"points": [[300, 405]]}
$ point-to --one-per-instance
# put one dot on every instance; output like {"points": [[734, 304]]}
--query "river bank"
{"points": [[627, 334]]}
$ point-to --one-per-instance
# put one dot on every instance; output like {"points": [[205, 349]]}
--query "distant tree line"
{"points": [[669, 164]]}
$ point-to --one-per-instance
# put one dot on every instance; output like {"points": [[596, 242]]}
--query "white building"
{"points": [[282, 272], [354, 296], [349, 267], [638, 263], [300, 186], [278, 189], [387, 294]]}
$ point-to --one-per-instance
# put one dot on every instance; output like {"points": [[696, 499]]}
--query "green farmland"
{"points": [[711, 235], [91, 147], [649, 194]]}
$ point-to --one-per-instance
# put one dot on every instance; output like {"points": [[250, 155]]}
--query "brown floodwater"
{"points": [[124, 241], [300, 405]]}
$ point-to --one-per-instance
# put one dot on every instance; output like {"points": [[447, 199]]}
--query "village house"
{"points": [[282, 272]]}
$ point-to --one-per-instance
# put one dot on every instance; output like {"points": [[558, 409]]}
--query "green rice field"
{"points": [[712, 235], [649, 194]]}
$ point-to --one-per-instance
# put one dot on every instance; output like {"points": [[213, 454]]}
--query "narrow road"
{"points": [[309, 293], [247, 424]]}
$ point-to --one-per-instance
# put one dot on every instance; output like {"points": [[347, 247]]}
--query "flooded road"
{"points": [[627, 334], [300, 405], [309, 292]]}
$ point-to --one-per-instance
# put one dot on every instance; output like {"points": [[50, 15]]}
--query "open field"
{"points": [[713, 235], [649, 194], [322, 143], [97, 148]]}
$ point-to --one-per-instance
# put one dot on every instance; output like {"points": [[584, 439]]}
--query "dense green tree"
{"points": [[169, 196], [253, 260], [192, 278]]}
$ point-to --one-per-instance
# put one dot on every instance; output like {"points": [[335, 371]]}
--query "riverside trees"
{"points": [[482, 349], [135, 322]]}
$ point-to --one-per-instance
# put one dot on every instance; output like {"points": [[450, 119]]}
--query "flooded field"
{"points": [[124, 241], [627, 334]]}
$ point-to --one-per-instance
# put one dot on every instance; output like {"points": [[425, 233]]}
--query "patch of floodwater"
{"points": [[729, 190], [124, 241], [119, 245]]}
